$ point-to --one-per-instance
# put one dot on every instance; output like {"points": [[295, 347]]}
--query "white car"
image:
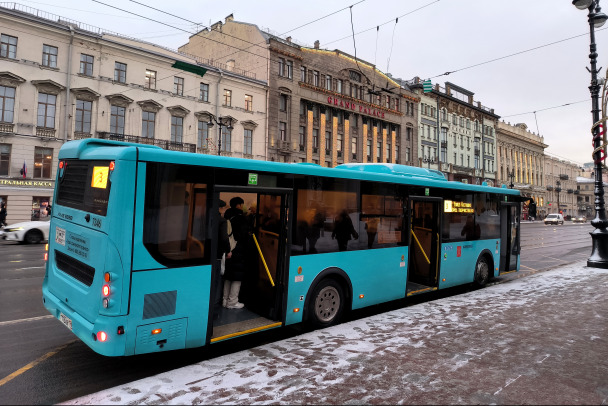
{"points": [[29, 232], [554, 218]]}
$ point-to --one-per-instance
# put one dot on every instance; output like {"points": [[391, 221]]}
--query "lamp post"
{"points": [[428, 161], [558, 188], [221, 122], [599, 237], [511, 176]]}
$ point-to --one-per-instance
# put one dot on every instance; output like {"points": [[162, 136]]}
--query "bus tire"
{"points": [[482, 271], [326, 303]]}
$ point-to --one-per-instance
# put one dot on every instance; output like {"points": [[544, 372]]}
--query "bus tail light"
{"points": [[112, 165], [105, 302], [106, 290], [157, 331], [46, 252], [107, 277], [102, 336]]}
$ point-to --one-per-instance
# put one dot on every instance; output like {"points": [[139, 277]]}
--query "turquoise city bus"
{"points": [[133, 264]]}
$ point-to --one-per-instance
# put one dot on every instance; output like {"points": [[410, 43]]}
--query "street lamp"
{"points": [[558, 188], [428, 161], [511, 176], [599, 237], [221, 122]]}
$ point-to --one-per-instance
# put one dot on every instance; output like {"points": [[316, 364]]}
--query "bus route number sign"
{"points": [[253, 179]]}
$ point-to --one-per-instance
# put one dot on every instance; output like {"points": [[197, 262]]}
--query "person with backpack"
{"points": [[236, 265]]}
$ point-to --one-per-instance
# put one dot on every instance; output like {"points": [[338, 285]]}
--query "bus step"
{"points": [[233, 330]]}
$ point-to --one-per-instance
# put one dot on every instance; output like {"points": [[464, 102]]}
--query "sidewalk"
{"points": [[542, 339]]}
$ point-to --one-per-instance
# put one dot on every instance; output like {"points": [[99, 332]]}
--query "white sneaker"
{"points": [[236, 305]]}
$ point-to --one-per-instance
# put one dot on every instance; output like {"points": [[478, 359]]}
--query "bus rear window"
{"points": [[85, 185]]}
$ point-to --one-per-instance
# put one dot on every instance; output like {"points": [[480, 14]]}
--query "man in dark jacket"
{"points": [[223, 247]]}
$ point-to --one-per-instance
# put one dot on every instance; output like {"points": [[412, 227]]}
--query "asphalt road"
{"points": [[42, 363]]}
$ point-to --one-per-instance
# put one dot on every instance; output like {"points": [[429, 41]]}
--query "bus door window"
{"points": [[382, 218]]}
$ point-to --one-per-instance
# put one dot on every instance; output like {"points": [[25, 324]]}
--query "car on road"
{"points": [[28, 232], [554, 218], [579, 219]]}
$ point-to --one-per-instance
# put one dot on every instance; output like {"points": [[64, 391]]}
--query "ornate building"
{"points": [[464, 149], [562, 188], [62, 80], [324, 106], [521, 163]]}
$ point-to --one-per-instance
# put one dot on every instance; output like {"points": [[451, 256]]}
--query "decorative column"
{"points": [[374, 150], [322, 131], [346, 141], [382, 157], [334, 142], [364, 144], [394, 146], [309, 136]]}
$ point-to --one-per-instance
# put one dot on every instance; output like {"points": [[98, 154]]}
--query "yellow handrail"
{"points": [[420, 246], [263, 260]]}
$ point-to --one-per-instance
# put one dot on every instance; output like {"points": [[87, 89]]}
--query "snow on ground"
{"points": [[538, 339]]}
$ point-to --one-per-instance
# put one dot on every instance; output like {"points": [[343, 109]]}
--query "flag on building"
{"points": [[23, 170]]}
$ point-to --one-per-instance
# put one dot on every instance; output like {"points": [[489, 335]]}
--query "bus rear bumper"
{"points": [[89, 333]]}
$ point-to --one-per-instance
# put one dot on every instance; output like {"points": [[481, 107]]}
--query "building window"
{"points": [[204, 95], [46, 110], [283, 102], [302, 73], [248, 102], [282, 131], [49, 56], [408, 153], [203, 135], [315, 78], [120, 72], [8, 46], [327, 141], [281, 67], [353, 145], [177, 129], [148, 120], [43, 160], [302, 139], [289, 69], [7, 104], [315, 138], [86, 64], [328, 82], [248, 142], [150, 79], [340, 144], [226, 139], [178, 86], [356, 76], [84, 111], [117, 120], [227, 97], [5, 159], [369, 150], [339, 86], [397, 106]]}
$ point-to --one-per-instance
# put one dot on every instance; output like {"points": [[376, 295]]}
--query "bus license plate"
{"points": [[65, 320]]}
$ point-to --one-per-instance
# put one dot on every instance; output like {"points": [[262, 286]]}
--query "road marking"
{"points": [[6, 323], [33, 363], [508, 383], [541, 361], [30, 267], [16, 261], [527, 267]]}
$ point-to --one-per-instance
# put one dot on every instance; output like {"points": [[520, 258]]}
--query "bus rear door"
{"points": [[425, 222], [509, 237]]}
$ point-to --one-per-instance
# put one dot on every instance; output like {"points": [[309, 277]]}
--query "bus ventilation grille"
{"points": [[159, 304], [73, 184], [76, 269]]}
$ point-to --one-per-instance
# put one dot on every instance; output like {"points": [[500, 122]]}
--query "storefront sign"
{"points": [[355, 107], [27, 183]]}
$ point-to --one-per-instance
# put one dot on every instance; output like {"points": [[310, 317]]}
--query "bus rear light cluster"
{"points": [[46, 252], [102, 336], [106, 290]]}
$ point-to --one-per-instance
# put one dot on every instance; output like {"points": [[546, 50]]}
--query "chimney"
{"points": [[230, 17], [317, 44], [288, 39]]}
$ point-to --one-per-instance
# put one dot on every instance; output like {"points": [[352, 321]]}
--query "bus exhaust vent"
{"points": [[76, 269], [159, 304]]}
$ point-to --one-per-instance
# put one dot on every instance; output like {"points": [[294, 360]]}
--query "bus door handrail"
{"points": [[263, 259], [420, 246]]}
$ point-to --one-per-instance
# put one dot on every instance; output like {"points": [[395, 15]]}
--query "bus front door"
{"points": [[261, 290], [424, 245], [509, 237]]}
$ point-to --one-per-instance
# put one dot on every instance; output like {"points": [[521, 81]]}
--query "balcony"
{"points": [[6, 128], [168, 145], [476, 151], [563, 176], [549, 188], [80, 135], [45, 132]]}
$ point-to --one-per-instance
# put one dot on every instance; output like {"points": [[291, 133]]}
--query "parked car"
{"points": [[554, 218], [580, 219], [28, 232]]}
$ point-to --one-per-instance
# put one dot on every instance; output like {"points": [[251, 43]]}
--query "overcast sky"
{"points": [[430, 38]]}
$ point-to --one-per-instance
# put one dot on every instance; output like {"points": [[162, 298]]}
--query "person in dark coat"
{"points": [[343, 230], [236, 266], [3, 215]]}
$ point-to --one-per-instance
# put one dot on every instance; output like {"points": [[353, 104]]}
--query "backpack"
{"points": [[231, 238]]}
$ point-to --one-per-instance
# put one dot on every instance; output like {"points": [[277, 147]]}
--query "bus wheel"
{"points": [[482, 272], [326, 303]]}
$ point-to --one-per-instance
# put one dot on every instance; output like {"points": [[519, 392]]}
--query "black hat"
{"points": [[222, 203]]}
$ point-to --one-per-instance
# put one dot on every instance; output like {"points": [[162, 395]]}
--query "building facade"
{"points": [[464, 147], [325, 106], [561, 184], [521, 163], [62, 80]]}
